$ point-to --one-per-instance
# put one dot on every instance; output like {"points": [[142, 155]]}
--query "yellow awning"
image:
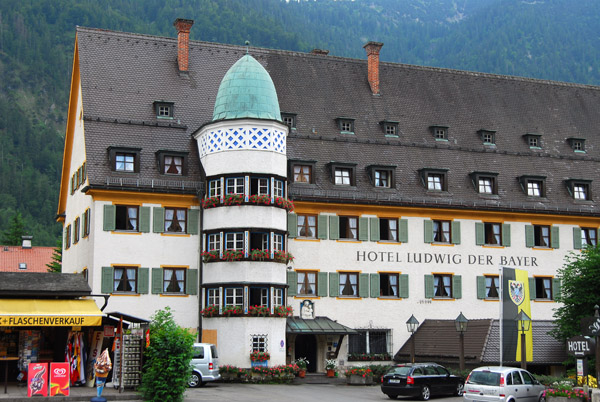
{"points": [[55, 313]]}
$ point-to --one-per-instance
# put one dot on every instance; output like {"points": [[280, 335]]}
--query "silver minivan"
{"points": [[205, 365], [502, 384]]}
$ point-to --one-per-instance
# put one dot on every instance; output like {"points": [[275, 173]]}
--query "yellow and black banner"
{"points": [[49, 312], [515, 298]]}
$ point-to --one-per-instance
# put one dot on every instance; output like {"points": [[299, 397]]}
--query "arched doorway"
{"points": [[306, 346]]}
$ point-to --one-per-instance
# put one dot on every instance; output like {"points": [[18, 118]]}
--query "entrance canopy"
{"points": [[48, 312], [318, 325]]}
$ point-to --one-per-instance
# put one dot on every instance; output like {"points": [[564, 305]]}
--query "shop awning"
{"points": [[317, 325], [56, 313]]}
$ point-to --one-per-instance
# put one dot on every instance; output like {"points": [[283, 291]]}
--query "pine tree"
{"points": [[16, 230], [56, 264]]}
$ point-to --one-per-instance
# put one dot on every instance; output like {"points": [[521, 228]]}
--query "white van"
{"points": [[205, 365]]}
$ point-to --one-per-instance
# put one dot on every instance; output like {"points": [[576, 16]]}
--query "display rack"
{"points": [[130, 372]]}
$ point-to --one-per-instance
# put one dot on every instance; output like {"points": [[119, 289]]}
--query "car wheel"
{"points": [[425, 393], [195, 380], [460, 387], [542, 398], [392, 396]]}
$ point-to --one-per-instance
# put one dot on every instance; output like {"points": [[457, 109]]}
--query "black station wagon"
{"points": [[421, 380]]}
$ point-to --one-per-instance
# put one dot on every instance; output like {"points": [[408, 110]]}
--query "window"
{"points": [[579, 189], [214, 188], [125, 279], [492, 287], [126, 218], [369, 342], [259, 241], [172, 163], [234, 297], [486, 185], [124, 159], [381, 175], [174, 280], [382, 178], [440, 133], [307, 283], [76, 225], [278, 188], [349, 284], [258, 297], [289, 119], [435, 182], [442, 286], [234, 241], [388, 229], [534, 186], [259, 186], [86, 223], [541, 235], [277, 297], [175, 220], [307, 226], [434, 179], [277, 242], [484, 182], [164, 110], [589, 236], [22, 265], [343, 176], [543, 288], [533, 140], [214, 241], [577, 144], [124, 162], [213, 297], [492, 234], [68, 236], [390, 128], [441, 231], [346, 125], [488, 137], [234, 185], [259, 343], [388, 285], [302, 173], [349, 227]]}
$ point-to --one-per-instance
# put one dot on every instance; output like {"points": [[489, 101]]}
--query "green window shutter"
{"points": [[506, 234], [334, 227], [403, 230], [555, 237], [110, 213], [191, 282], [375, 289], [292, 225], [322, 284], [556, 288], [292, 282], [145, 219], [403, 286], [577, 238], [481, 287], [455, 232], [322, 227], [143, 278], [157, 281], [363, 285], [334, 284], [529, 239], [479, 234], [75, 231], [428, 228], [193, 221], [107, 280], [532, 289], [429, 286], [374, 223], [457, 286], [363, 229], [158, 220]]}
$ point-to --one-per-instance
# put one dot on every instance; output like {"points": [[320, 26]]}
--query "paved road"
{"points": [[306, 392]]}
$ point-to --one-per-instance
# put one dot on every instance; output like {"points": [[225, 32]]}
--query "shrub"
{"points": [[167, 365]]}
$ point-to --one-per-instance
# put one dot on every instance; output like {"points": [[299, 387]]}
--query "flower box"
{"points": [[357, 379]]}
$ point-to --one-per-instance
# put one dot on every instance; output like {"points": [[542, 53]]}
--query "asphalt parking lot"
{"points": [[306, 392]]}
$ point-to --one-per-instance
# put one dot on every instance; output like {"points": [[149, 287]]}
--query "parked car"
{"points": [[421, 380], [502, 384], [205, 365]]}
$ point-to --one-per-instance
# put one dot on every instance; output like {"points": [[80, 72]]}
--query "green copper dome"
{"points": [[247, 91]]}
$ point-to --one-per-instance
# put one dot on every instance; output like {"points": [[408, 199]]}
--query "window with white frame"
{"points": [[581, 191], [234, 297], [259, 343], [234, 185], [214, 188], [302, 173], [258, 296], [278, 187], [486, 185], [343, 176], [534, 188], [259, 241], [277, 242], [259, 186], [124, 162], [214, 241], [382, 178], [173, 165], [234, 241], [213, 297], [277, 297]]}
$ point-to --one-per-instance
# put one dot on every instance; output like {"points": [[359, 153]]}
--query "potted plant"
{"points": [[258, 311], [330, 366], [282, 256], [209, 256], [257, 356], [232, 255], [302, 364], [283, 311], [210, 311], [359, 375], [259, 255], [211, 202], [232, 311]]}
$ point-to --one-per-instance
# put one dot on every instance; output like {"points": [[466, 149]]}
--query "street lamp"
{"points": [[524, 325], [461, 326], [412, 324]]}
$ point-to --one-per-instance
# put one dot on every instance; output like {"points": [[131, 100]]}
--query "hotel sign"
{"points": [[580, 346], [445, 258]]}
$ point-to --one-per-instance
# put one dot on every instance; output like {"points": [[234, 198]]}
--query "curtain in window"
{"points": [[393, 284], [392, 229], [490, 284], [173, 164], [442, 287], [167, 282], [547, 288], [131, 277], [353, 223], [118, 276], [348, 284], [132, 218]]}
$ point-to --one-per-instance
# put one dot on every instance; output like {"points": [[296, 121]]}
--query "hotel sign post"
{"points": [[590, 326], [581, 347]]}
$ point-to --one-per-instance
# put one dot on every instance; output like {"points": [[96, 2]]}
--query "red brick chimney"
{"points": [[183, 42], [373, 49]]}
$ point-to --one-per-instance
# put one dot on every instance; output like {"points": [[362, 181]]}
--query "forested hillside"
{"points": [[552, 39]]}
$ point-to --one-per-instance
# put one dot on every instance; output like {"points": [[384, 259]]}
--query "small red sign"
{"points": [[59, 379], [37, 379], [109, 331]]}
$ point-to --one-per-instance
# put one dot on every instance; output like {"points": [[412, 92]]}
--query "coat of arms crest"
{"points": [[517, 291]]}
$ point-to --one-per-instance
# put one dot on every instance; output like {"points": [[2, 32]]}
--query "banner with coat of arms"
{"points": [[515, 298]]}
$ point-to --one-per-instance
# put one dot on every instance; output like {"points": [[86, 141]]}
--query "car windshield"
{"points": [[402, 370], [484, 378]]}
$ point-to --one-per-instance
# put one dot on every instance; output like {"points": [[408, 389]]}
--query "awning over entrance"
{"points": [[42, 312], [318, 325]]}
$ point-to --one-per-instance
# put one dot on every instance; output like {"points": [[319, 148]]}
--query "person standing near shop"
{"points": [[102, 367]]}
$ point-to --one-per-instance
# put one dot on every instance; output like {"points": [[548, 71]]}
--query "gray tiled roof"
{"points": [[40, 285], [123, 74]]}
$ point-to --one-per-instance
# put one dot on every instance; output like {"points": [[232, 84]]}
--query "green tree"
{"points": [[580, 281], [16, 229], [56, 264], [167, 366]]}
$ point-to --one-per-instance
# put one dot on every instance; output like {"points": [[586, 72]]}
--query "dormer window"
{"points": [[577, 144], [302, 171], [485, 182], [440, 133], [381, 176], [434, 179], [533, 140], [390, 128], [346, 125], [533, 186], [343, 174], [124, 159], [488, 137], [289, 119], [164, 110], [172, 162], [579, 189]]}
